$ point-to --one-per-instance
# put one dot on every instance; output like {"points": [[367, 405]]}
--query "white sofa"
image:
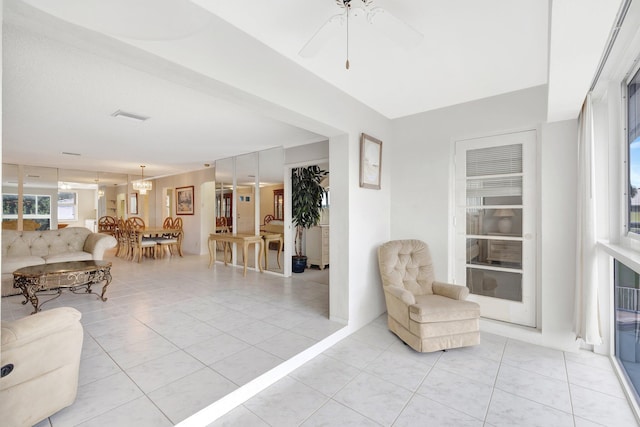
{"points": [[40, 363], [26, 248]]}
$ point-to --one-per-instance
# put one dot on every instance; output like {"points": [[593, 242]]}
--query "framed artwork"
{"points": [[370, 161], [184, 200], [133, 203]]}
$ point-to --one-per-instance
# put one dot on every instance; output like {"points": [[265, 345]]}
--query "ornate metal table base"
{"points": [[74, 275]]}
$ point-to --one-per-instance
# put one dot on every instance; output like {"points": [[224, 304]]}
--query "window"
{"points": [[633, 138], [34, 207], [627, 321], [67, 206]]}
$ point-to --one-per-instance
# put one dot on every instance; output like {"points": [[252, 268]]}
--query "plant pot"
{"points": [[298, 264]]}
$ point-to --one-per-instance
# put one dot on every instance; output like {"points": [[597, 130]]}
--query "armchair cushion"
{"points": [[436, 308]]}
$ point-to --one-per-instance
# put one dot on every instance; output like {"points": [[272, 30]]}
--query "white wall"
{"points": [[195, 234], [421, 164]]}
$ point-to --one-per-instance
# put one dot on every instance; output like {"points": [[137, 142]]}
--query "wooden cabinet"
{"points": [[318, 246]]}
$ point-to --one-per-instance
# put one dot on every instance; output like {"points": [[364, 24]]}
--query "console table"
{"points": [[72, 275], [268, 238], [244, 239]]}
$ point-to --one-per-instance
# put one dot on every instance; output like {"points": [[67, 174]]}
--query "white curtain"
{"points": [[586, 315]]}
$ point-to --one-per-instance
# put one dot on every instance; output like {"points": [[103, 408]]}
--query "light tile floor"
{"points": [[174, 336], [207, 332], [371, 379]]}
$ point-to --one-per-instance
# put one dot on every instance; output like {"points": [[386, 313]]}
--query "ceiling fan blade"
{"points": [[394, 28], [322, 36]]}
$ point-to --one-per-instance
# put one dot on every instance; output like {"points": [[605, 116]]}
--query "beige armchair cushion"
{"points": [[426, 314], [436, 308], [402, 264]]}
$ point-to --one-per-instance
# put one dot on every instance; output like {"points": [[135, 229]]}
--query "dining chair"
{"points": [[178, 234], [140, 246], [136, 222], [167, 239], [107, 224], [168, 222], [122, 250], [177, 223]]}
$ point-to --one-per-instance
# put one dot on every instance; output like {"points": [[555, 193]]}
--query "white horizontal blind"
{"points": [[504, 159], [484, 167]]}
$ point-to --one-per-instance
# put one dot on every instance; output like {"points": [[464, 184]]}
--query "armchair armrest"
{"points": [[450, 291], [402, 294], [97, 243]]}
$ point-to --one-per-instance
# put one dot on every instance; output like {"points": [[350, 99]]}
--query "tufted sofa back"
{"points": [[43, 243], [406, 264]]}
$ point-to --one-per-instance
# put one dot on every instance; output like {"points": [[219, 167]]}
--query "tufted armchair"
{"points": [[426, 314]]}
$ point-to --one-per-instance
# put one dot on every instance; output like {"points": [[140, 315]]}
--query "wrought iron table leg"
{"points": [[107, 277]]}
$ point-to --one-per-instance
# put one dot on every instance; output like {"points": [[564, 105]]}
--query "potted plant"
{"points": [[306, 206]]}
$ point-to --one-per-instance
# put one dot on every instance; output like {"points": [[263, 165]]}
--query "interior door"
{"points": [[495, 224]]}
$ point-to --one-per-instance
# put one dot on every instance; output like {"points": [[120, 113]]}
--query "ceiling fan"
{"points": [[396, 29]]}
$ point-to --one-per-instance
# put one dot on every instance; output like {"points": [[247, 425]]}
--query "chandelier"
{"points": [[142, 186]]}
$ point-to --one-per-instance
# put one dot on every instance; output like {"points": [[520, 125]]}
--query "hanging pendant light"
{"points": [[100, 192], [141, 185]]}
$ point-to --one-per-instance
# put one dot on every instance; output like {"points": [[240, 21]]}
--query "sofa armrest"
{"points": [[450, 291], [97, 243]]}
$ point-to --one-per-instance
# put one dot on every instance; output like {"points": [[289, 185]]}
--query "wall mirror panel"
{"points": [[250, 200], [271, 215], [245, 200], [224, 195], [56, 198], [224, 202]]}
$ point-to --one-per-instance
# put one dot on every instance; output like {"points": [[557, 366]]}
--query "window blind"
{"points": [[484, 167]]}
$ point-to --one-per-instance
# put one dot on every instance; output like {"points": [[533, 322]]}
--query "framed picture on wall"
{"points": [[133, 203], [370, 161], [184, 200]]}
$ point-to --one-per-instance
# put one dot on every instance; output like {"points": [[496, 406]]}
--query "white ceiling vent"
{"points": [[130, 116]]}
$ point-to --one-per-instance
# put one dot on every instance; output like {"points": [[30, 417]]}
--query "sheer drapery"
{"points": [[586, 315]]}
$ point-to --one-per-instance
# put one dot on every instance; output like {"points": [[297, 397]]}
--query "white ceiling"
{"points": [[58, 96]]}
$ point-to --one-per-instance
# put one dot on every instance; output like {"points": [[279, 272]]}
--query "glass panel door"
{"points": [[494, 241]]}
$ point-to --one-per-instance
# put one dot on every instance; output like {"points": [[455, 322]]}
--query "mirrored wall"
{"points": [[44, 198], [250, 201]]}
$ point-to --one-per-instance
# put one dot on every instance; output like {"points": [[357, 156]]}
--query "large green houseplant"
{"points": [[306, 206]]}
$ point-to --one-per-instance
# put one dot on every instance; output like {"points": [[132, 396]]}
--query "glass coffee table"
{"points": [[72, 275]]}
